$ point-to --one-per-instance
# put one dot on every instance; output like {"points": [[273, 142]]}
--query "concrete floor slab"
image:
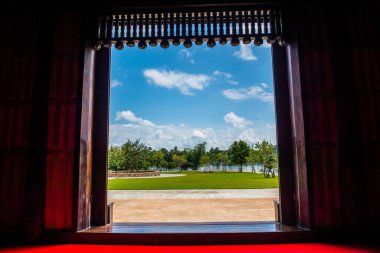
{"points": [[193, 194], [193, 205]]}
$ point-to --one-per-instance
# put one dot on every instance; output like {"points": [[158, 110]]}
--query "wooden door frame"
{"points": [[290, 138], [293, 176]]}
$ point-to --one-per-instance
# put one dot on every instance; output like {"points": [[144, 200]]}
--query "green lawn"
{"points": [[196, 180]]}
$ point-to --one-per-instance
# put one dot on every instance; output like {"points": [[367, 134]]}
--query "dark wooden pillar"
{"points": [[284, 136], [100, 137], [84, 173], [298, 137]]}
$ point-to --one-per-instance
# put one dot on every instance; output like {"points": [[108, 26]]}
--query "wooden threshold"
{"points": [[193, 227], [185, 234]]}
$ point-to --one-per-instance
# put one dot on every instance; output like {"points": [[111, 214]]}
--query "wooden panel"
{"points": [[299, 139], [341, 92], [366, 69], [18, 76], [14, 130], [362, 20], [100, 137], [325, 186], [369, 106], [17, 73], [371, 172], [321, 121], [68, 37], [62, 136], [82, 206], [317, 71], [284, 137], [62, 125], [59, 192], [13, 166], [366, 64], [312, 24], [65, 72]]}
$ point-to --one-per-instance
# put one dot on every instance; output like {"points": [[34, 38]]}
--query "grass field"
{"points": [[196, 180]]}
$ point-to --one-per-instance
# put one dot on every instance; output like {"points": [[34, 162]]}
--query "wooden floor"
{"points": [[184, 234]]}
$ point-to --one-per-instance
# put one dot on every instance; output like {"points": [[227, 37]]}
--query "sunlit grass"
{"points": [[196, 180]]}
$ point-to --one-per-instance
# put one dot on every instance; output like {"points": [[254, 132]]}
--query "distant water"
{"points": [[228, 168]]}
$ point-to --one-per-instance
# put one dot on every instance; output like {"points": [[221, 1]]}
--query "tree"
{"points": [[222, 158], [135, 156], [254, 158], [213, 153], [238, 153], [196, 154], [179, 160], [204, 161], [267, 156], [115, 157], [156, 159], [271, 163]]}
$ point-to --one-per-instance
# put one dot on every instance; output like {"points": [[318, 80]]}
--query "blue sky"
{"points": [[181, 97]]}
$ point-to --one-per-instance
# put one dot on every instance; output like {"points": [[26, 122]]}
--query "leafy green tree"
{"points": [[135, 156], [156, 159], [179, 160], [238, 153], [223, 159], [213, 153], [115, 157], [188, 152], [196, 154], [200, 149], [271, 164], [254, 158], [205, 161], [267, 156]]}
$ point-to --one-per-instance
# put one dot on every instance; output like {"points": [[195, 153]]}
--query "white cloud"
{"points": [[182, 81], [255, 92], [223, 74], [249, 135], [236, 121], [131, 117], [245, 53], [264, 85], [226, 76], [115, 82], [182, 136], [199, 134]]}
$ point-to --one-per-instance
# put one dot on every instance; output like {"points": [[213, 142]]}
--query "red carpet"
{"points": [[265, 248]]}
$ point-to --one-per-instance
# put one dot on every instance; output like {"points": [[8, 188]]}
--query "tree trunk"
{"points": [[241, 168]]}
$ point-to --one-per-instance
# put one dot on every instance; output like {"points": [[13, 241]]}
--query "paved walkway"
{"points": [[193, 194], [193, 205]]}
